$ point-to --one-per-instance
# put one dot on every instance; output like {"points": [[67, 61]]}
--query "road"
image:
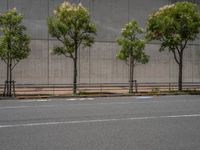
{"points": [[118, 123]]}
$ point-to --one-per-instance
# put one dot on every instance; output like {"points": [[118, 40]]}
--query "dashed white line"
{"points": [[22, 107], [35, 100], [79, 99], [48, 100], [144, 97], [99, 120], [71, 99]]}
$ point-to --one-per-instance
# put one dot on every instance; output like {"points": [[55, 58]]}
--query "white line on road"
{"points": [[22, 107], [71, 99], [100, 120], [48, 100], [35, 100], [79, 99], [144, 97]]}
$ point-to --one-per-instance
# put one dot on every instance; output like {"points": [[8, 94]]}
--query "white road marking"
{"points": [[22, 107], [48, 100], [79, 99], [90, 98], [99, 120], [71, 99], [35, 100], [144, 97]]}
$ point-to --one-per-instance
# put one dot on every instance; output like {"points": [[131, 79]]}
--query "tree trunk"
{"points": [[180, 76], [10, 90], [75, 72], [7, 79], [131, 69]]}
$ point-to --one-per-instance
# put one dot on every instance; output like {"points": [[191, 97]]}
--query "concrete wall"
{"points": [[98, 63]]}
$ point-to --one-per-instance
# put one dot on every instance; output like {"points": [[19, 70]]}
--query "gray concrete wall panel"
{"points": [[35, 13], [109, 17], [157, 68], [140, 9], [84, 65], [195, 63], [34, 69], [100, 63], [95, 65], [3, 5], [2, 72], [104, 67], [60, 67], [188, 65]]}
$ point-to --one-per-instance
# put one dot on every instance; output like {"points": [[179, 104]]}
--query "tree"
{"points": [[174, 26], [14, 43], [132, 48], [72, 26]]}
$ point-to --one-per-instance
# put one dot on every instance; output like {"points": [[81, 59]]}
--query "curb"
{"points": [[8, 98], [95, 95]]}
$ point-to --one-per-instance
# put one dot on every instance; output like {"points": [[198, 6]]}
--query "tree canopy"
{"points": [[72, 26], [14, 43], [131, 44], [174, 25]]}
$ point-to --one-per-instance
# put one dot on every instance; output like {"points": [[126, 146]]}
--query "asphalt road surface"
{"points": [[123, 123]]}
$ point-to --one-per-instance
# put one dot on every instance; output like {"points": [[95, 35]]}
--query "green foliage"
{"points": [[14, 43], [72, 26], [174, 25], [130, 44]]}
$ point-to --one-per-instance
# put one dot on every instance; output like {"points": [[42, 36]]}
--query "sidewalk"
{"points": [[94, 91]]}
